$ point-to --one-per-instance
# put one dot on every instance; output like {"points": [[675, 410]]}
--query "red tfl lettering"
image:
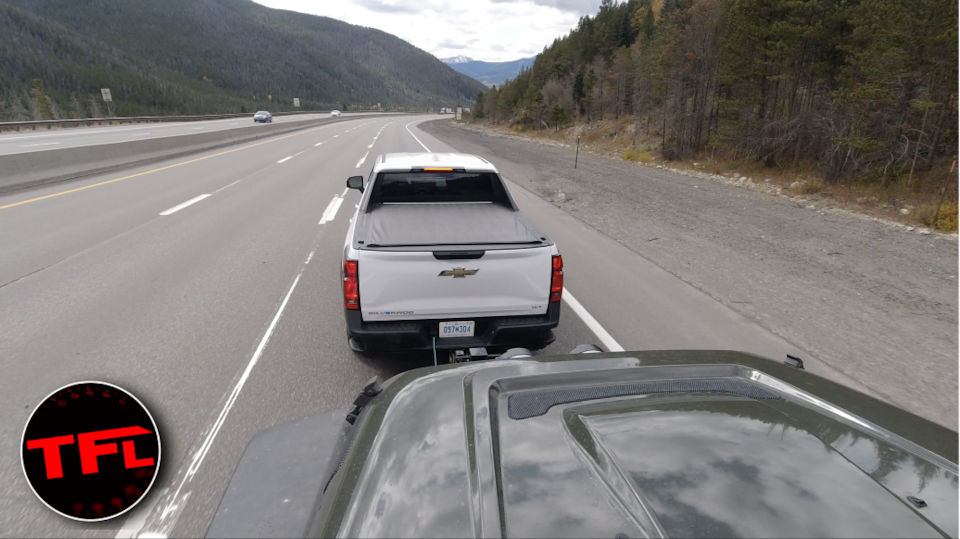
{"points": [[51, 453], [90, 450]]}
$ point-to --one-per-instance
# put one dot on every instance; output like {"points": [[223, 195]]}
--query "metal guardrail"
{"points": [[77, 122]]}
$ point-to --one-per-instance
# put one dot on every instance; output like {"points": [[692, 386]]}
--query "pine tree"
{"points": [[478, 105], [42, 103]]}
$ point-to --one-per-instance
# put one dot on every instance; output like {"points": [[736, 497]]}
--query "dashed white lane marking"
{"points": [[331, 211], [138, 134], [344, 192], [309, 258], [195, 128], [296, 154], [362, 159], [225, 186], [179, 207], [608, 341], [326, 211], [319, 143], [415, 137], [289, 157], [335, 136], [174, 505], [40, 144]]}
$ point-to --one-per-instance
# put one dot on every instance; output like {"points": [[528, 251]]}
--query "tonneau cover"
{"points": [[406, 225]]}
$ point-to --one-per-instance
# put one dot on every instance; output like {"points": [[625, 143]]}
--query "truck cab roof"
{"points": [[407, 161]]}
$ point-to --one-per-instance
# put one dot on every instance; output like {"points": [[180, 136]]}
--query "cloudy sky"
{"points": [[490, 30]]}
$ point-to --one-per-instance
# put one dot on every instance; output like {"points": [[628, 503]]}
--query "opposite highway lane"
{"points": [[211, 291], [71, 137]]}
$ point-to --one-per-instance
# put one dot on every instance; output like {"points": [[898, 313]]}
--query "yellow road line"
{"points": [[163, 168]]}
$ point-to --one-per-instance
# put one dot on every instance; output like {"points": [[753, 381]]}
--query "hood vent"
{"points": [[536, 403]]}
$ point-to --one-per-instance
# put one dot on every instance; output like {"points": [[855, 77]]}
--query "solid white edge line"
{"points": [[137, 518], [179, 207], [40, 144], [326, 212], [591, 322], [285, 159], [415, 137], [208, 442]]}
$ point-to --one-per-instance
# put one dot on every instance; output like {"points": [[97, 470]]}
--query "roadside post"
{"points": [[943, 194], [108, 99], [577, 157]]}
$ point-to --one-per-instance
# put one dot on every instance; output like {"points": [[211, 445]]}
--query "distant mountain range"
{"points": [[489, 73], [456, 60], [206, 56]]}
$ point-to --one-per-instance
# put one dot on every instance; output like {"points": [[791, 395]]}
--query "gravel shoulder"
{"points": [[872, 299]]}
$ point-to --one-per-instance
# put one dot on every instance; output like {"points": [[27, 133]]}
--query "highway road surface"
{"points": [[72, 137], [208, 286]]}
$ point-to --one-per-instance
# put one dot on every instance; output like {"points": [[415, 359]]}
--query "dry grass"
{"points": [[640, 157], [618, 137], [941, 217], [810, 188]]}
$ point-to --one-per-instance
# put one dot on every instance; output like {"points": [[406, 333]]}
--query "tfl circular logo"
{"points": [[90, 451]]}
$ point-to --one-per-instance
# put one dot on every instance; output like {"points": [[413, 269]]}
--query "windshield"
{"points": [[412, 187]]}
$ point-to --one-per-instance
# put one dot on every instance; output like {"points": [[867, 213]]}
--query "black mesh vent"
{"points": [[533, 404]]}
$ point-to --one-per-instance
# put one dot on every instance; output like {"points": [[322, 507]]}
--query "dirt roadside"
{"points": [[872, 299]]}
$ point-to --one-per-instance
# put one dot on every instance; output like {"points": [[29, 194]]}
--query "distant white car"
{"points": [[334, 113]]}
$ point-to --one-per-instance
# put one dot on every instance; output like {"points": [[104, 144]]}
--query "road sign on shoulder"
{"points": [[296, 101], [459, 113], [106, 94]]}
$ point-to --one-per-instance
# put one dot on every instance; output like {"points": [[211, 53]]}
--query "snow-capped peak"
{"points": [[456, 60]]}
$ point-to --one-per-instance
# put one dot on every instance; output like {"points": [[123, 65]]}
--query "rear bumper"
{"points": [[497, 332]]}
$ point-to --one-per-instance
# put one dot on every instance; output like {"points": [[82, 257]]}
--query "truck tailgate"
{"points": [[399, 285]]}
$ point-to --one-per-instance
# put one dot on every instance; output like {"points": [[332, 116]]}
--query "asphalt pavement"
{"points": [[71, 137], [223, 313]]}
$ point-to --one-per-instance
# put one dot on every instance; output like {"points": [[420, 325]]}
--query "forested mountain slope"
{"points": [[192, 56], [864, 91]]}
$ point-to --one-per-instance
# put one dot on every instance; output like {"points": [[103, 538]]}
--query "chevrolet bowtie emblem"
{"points": [[458, 272]]}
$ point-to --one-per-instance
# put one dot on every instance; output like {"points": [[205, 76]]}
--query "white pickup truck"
{"points": [[439, 257]]}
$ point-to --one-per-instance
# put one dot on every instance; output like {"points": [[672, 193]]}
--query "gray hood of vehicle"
{"points": [[623, 446]]}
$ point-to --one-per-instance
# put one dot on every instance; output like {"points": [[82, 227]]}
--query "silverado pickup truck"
{"points": [[439, 257]]}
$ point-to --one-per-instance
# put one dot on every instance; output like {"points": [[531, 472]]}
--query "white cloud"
{"points": [[491, 30]]}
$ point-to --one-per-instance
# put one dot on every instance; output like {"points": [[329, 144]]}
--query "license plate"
{"points": [[457, 329]]}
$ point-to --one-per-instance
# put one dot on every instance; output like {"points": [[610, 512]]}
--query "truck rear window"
{"points": [[411, 187]]}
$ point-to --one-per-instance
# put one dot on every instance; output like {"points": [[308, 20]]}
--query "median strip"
{"points": [[36, 168]]}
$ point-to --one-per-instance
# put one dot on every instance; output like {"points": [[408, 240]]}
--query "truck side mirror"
{"points": [[355, 182]]}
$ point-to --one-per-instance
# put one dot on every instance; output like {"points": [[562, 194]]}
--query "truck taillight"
{"points": [[556, 282], [351, 285]]}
